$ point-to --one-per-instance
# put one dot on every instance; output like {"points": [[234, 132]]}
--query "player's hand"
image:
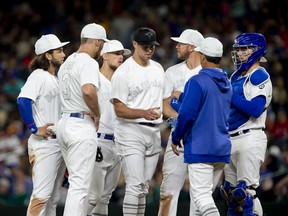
{"points": [[45, 131], [95, 118], [175, 148], [152, 114]]}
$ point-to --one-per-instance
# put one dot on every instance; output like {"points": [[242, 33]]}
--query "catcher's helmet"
{"points": [[254, 41]]}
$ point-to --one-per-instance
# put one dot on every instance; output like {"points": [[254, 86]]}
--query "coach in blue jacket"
{"points": [[203, 126]]}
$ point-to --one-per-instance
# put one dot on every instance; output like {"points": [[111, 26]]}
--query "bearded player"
{"points": [[174, 169], [39, 106]]}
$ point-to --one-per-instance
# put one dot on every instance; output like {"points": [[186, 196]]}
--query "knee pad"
{"points": [[239, 193]]}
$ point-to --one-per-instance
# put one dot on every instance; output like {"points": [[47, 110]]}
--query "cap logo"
{"points": [[149, 34]]}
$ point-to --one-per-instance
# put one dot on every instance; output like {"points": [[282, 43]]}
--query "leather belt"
{"points": [[244, 131], [105, 136], [148, 124]]}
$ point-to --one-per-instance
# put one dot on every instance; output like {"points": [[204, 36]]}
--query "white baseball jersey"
{"points": [[48, 166], [177, 75], [138, 87], [77, 137], [43, 89], [106, 173], [108, 116], [72, 77]]}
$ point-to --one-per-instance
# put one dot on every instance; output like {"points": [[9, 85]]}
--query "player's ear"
{"points": [[48, 56], [105, 56], [135, 44]]}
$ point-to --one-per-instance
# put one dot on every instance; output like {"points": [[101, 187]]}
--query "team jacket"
{"points": [[203, 118]]}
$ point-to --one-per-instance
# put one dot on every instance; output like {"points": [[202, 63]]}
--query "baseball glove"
{"points": [[99, 155]]}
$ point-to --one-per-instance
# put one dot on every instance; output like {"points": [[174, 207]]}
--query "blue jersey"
{"points": [[251, 96]]}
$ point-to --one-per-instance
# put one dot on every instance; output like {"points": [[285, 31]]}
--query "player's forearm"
{"points": [[128, 113], [25, 109], [168, 111], [91, 99]]}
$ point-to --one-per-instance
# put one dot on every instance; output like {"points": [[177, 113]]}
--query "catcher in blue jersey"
{"points": [[252, 93]]}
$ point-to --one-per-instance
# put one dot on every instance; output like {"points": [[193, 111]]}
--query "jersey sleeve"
{"points": [[260, 85], [168, 87], [120, 86], [32, 86], [90, 74]]}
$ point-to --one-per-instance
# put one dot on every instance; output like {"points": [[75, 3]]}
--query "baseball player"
{"points": [[252, 93], [107, 166], [137, 92], [174, 170], [39, 106], [77, 128], [206, 100]]}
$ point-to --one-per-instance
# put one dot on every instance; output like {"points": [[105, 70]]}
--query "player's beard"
{"points": [[182, 56], [56, 64]]}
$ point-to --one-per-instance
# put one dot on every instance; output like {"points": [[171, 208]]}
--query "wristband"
{"points": [[33, 128]]}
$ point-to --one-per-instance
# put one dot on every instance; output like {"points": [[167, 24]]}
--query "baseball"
{"points": [[158, 111]]}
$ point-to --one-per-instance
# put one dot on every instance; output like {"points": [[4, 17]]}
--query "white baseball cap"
{"points": [[94, 31], [189, 36], [113, 46], [211, 46], [48, 42]]}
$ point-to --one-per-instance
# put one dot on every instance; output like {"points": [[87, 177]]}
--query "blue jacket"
{"points": [[203, 118]]}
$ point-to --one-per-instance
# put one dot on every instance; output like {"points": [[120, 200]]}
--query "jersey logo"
{"points": [[149, 34], [262, 86]]}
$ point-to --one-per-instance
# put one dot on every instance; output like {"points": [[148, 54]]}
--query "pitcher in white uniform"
{"points": [[107, 166], [137, 91], [39, 106], [77, 128]]}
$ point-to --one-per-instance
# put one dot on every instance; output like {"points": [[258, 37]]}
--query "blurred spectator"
{"points": [[10, 145], [279, 130]]}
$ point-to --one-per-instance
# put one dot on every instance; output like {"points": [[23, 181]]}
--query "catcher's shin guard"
{"points": [[245, 197], [234, 208]]}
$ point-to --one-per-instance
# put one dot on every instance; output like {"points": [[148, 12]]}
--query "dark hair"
{"points": [[40, 61], [215, 60]]}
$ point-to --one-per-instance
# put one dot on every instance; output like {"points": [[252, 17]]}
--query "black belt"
{"points": [[78, 115], [105, 136], [148, 124], [245, 131]]}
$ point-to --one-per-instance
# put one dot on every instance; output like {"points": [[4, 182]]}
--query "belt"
{"points": [[78, 115], [105, 136], [53, 136], [148, 124], [245, 131]]}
